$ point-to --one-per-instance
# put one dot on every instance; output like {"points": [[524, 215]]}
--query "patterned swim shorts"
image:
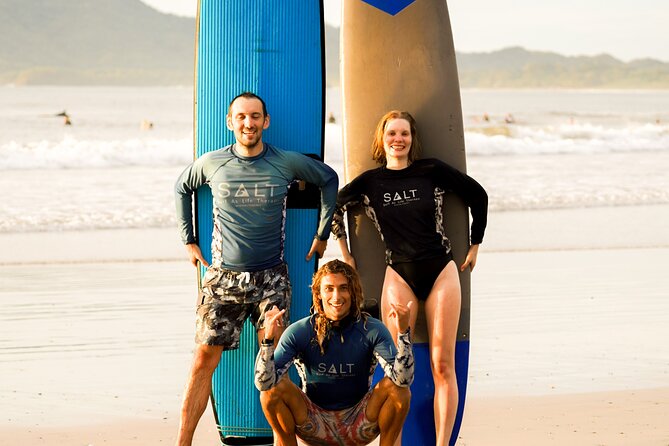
{"points": [[228, 298], [347, 427]]}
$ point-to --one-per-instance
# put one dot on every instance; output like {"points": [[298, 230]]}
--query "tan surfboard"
{"points": [[400, 55]]}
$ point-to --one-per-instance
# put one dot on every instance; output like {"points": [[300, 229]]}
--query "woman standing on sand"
{"points": [[405, 200]]}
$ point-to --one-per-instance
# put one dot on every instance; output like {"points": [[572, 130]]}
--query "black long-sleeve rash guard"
{"points": [[407, 207]]}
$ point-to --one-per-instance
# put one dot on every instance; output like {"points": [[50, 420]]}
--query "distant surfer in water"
{"points": [[336, 350], [249, 181], [405, 198], [66, 118]]}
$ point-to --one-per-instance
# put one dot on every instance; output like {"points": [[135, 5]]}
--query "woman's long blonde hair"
{"points": [[322, 323], [379, 153]]}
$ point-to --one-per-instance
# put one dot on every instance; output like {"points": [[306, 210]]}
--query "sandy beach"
{"points": [[569, 332], [607, 418]]}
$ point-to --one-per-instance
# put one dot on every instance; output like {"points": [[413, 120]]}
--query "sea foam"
{"points": [[72, 153]]}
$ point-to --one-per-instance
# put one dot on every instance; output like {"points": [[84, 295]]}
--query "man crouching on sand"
{"points": [[335, 351]]}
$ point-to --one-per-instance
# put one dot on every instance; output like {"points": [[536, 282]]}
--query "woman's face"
{"points": [[397, 138]]}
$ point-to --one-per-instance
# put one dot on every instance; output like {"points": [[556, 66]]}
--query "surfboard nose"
{"points": [[391, 7]]}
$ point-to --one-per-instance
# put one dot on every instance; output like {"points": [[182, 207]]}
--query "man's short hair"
{"points": [[248, 95]]}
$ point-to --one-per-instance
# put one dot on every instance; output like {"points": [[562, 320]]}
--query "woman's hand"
{"points": [[470, 260]]}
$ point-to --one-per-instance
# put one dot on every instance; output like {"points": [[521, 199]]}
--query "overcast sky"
{"points": [[626, 29]]}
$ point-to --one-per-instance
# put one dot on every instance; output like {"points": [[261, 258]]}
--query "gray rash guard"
{"points": [[342, 376], [249, 205]]}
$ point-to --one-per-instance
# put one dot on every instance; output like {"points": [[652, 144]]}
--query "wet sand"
{"points": [[606, 418], [569, 333]]}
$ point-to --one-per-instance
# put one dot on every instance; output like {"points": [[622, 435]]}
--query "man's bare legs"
{"points": [[198, 389], [389, 405], [284, 409]]}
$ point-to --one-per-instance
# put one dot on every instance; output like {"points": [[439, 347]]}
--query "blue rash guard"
{"points": [[249, 196], [341, 377]]}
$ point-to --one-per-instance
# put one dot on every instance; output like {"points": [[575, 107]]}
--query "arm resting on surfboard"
{"points": [[348, 197], [323, 176], [317, 247], [195, 254], [470, 260], [471, 193], [190, 179]]}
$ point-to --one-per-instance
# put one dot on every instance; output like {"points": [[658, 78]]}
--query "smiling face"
{"points": [[397, 139], [335, 296], [247, 120], [395, 129]]}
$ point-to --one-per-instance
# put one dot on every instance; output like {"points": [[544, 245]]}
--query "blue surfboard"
{"points": [[274, 48], [399, 54]]}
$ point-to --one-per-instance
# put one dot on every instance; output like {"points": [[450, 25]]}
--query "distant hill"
{"points": [[81, 42], [125, 42], [520, 68]]}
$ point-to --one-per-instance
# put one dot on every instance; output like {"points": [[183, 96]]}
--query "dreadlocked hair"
{"points": [[322, 323]]}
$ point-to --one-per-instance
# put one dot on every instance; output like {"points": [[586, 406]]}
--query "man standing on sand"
{"points": [[249, 181], [336, 351]]}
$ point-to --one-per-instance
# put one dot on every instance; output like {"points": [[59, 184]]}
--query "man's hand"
{"points": [[195, 255], [273, 322], [402, 315], [318, 248]]}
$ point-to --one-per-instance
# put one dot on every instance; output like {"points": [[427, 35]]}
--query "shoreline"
{"points": [[508, 231]]}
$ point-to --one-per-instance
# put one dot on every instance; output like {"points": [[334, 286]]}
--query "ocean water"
{"points": [[564, 149]]}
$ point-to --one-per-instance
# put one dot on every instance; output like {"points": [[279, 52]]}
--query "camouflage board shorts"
{"points": [[228, 298], [347, 427]]}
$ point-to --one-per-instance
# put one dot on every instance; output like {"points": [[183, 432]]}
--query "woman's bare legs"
{"points": [[442, 314], [396, 290]]}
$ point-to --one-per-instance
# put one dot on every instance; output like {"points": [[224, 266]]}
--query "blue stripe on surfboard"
{"points": [[391, 7], [275, 49], [419, 428], [461, 371]]}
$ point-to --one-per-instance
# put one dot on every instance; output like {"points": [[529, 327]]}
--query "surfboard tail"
{"points": [[247, 441], [419, 429]]}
